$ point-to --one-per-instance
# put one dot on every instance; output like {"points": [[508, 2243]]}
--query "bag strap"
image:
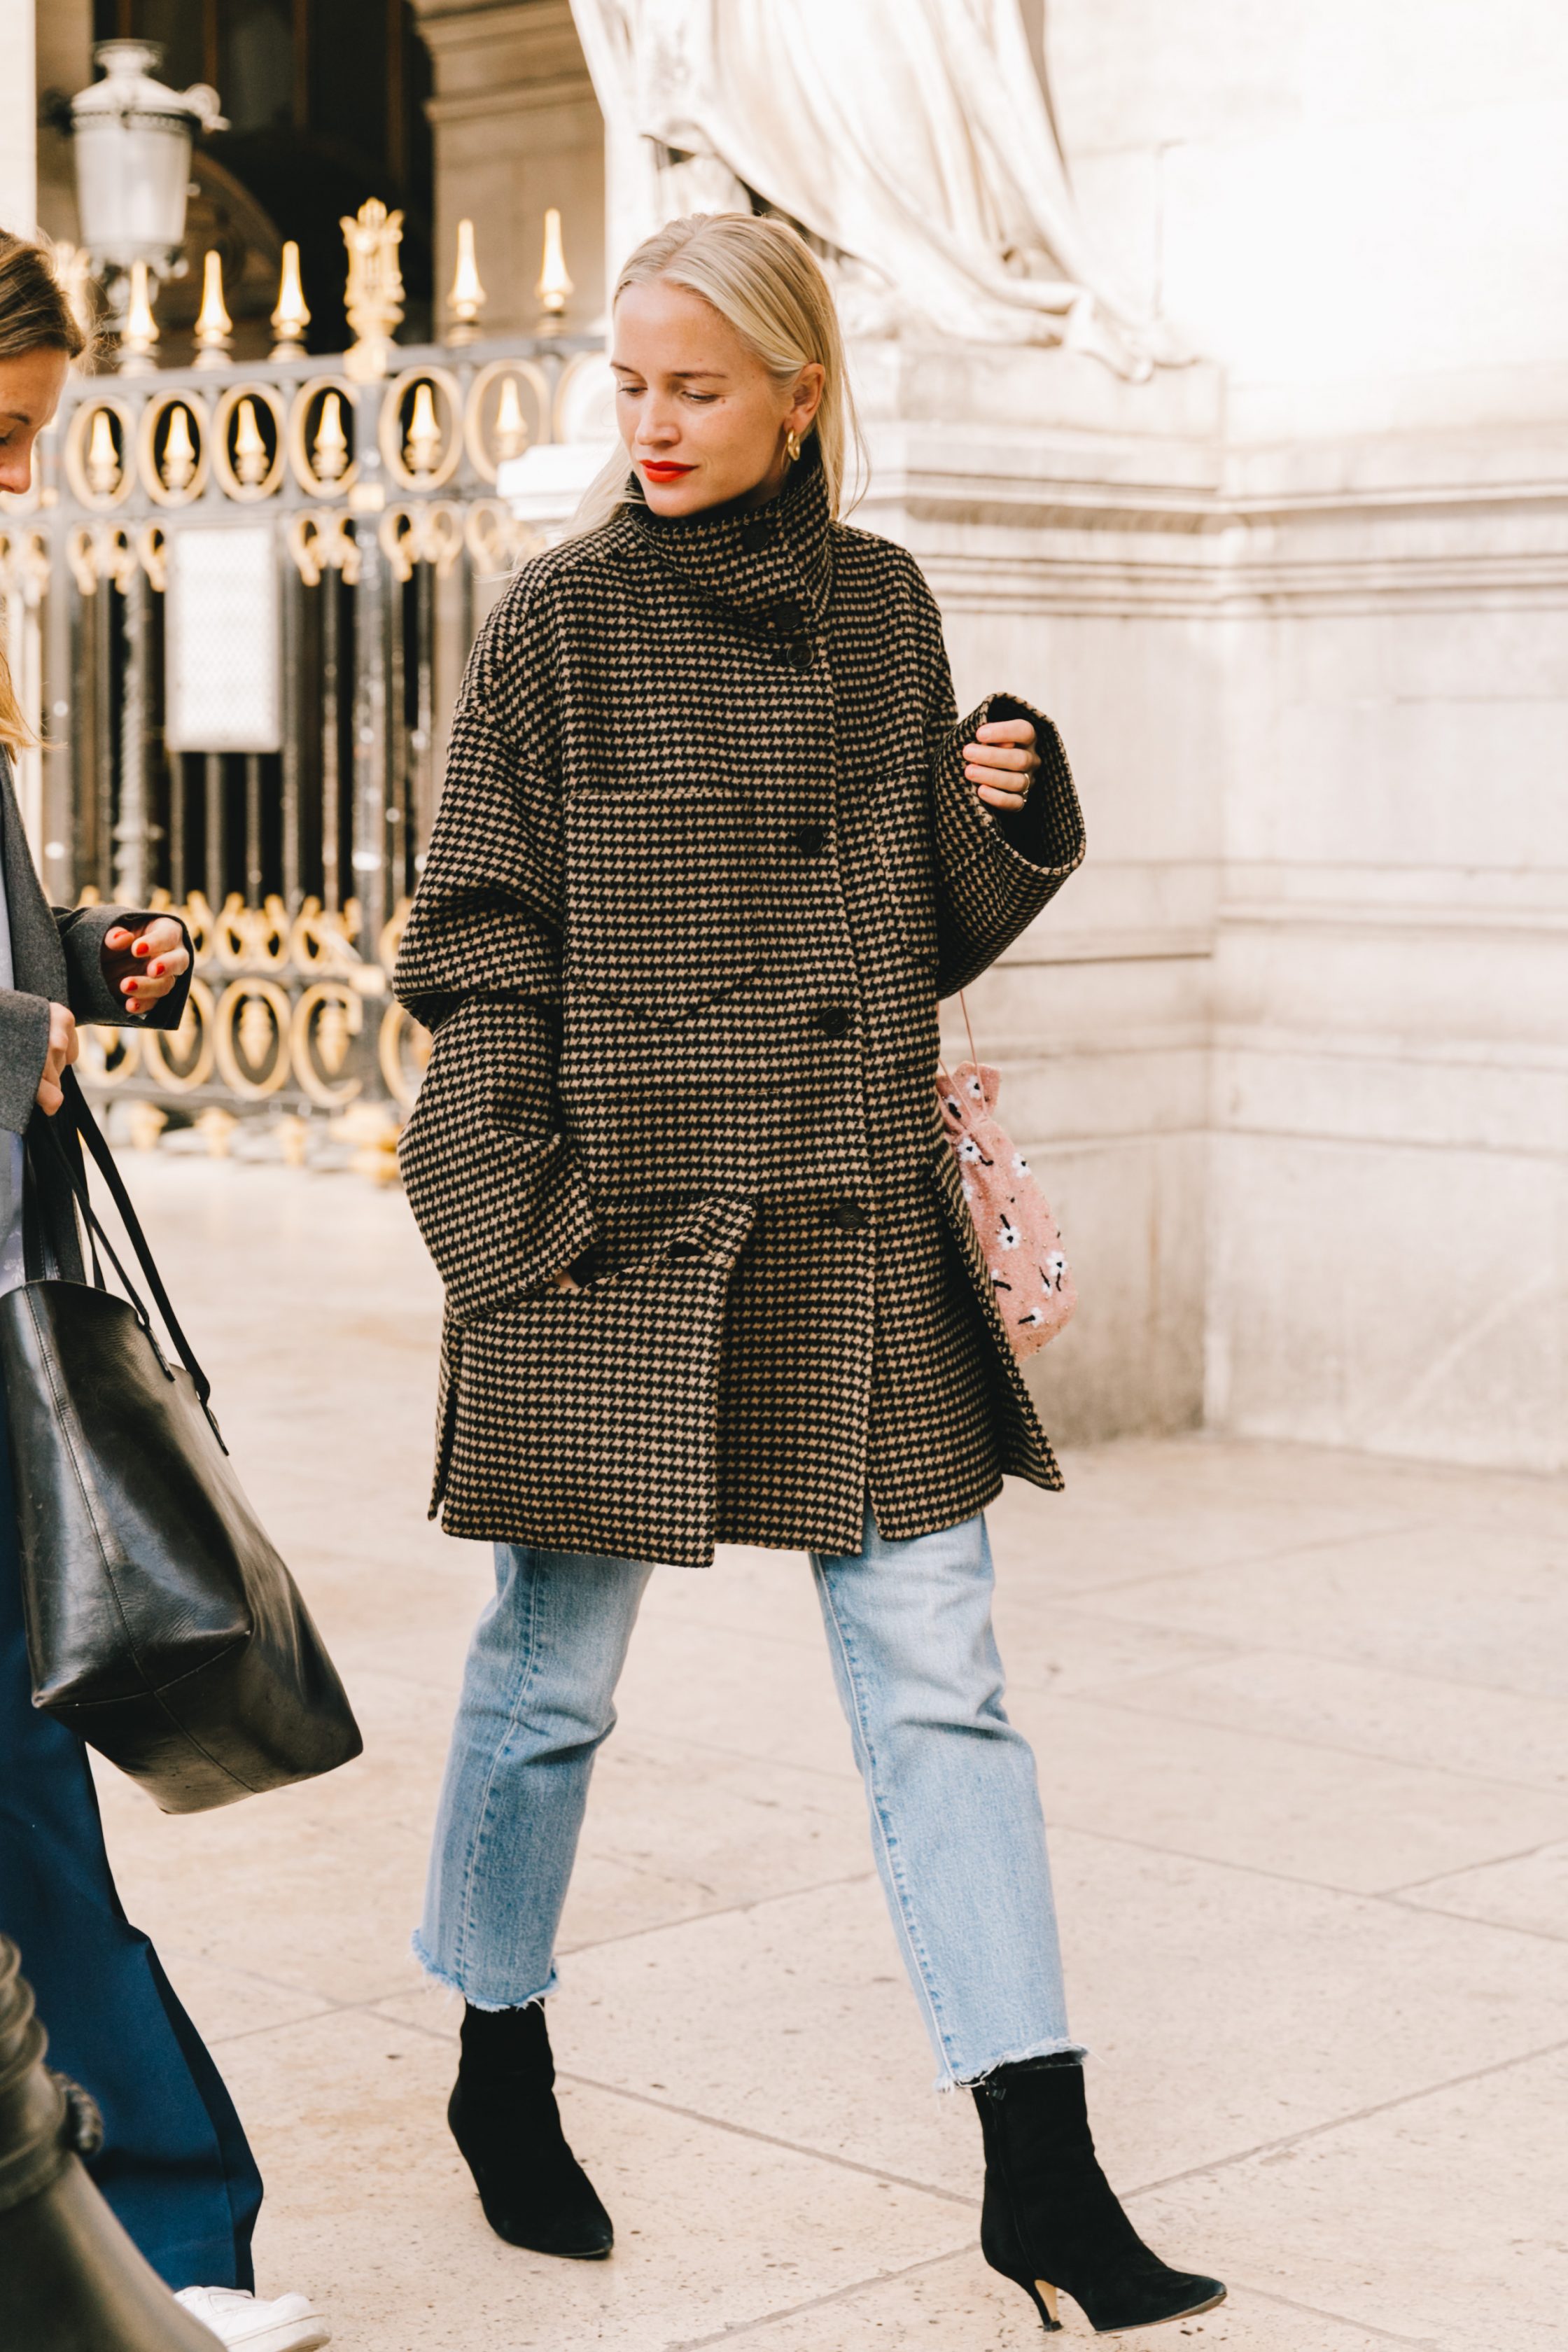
{"points": [[973, 1057], [92, 1136]]}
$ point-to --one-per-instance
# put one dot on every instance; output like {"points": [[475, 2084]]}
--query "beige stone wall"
{"points": [[1359, 211]]}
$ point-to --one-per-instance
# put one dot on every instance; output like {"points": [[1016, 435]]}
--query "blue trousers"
{"points": [[955, 1816], [174, 2165]]}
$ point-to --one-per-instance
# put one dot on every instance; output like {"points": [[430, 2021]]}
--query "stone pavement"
{"points": [[1303, 1721]]}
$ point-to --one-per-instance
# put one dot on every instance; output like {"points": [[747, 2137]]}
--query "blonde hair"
{"points": [[35, 315], [764, 278]]}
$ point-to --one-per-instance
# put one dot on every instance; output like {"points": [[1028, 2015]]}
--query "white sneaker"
{"points": [[288, 2325]]}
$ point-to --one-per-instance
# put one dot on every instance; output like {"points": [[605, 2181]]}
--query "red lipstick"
{"points": [[661, 470]]}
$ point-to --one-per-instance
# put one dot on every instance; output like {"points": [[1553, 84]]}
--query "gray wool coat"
{"points": [[705, 861], [56, 957]]}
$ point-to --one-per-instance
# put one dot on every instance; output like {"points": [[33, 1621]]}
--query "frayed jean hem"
{"points": [[441, 1976], [1059, 2045]]}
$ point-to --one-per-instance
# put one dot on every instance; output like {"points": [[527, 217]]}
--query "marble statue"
{"points": [[911, 139]]}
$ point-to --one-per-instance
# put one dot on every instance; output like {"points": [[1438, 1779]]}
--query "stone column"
{"points": [[517, 129]]}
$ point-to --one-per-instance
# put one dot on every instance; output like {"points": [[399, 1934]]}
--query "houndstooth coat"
{"points": [[705, 861]]}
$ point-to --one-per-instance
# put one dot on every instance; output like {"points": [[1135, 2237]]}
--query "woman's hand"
{"points": [[1002, 762], [143, 965], [64, 1047]]}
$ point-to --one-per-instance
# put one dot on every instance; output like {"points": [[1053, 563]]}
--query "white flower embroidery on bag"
{"points": [[1012, 1218]]}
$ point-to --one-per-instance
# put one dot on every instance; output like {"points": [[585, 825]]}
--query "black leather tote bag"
{"points": [[162, 1625]]}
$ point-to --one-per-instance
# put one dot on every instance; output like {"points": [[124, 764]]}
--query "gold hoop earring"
{"points": [[792, 447]]}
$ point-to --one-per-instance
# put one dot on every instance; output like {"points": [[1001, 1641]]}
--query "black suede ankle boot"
{"points": [[1051, 2219], [504, 2118]]}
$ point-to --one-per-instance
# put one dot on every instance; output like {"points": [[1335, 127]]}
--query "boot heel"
{"points": [[1044, 2296]]}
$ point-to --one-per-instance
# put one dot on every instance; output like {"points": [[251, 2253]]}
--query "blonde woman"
{"points": [[710, 849], [174, 2163]]}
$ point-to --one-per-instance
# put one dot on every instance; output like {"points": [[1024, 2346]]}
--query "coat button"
{"points": [[788, 618], [849, 1216], [755, 535], [799, 652], [811, 840], [833, 1020]]}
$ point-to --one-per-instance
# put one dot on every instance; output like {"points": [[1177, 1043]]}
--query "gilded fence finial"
{"points": [[251, 462], [468, 297], [554, 287], [330, 453], [374, 297], [213, 326], [139, 336], [104, 468], [292, 316], [178, 464], [423, 446], [510, 436]]}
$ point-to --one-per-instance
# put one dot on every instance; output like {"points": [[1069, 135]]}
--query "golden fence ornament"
{"points": [[328, 1017], [554, 289], [468, 297], [291, 316], [215, 328], [139, 336], [495, 427], [99, 442], [319, 451], [430, 534], [174, 449], [421, 450], [247, 460], [323, 542], [180, 1061], [374, 298], [251, 1025]]}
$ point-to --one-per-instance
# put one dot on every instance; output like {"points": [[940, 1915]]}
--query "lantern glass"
{"points": [[132, 140]]}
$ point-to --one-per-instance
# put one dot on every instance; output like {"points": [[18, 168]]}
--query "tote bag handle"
{"points": [[92, 1136]]}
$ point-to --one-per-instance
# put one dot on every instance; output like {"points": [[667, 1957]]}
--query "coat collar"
{"points": [[772, 563]]}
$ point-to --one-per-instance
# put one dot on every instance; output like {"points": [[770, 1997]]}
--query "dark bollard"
{"points": [[70, 2279]]}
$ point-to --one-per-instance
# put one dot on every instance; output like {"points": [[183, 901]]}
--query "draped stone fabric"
{"points": [[914, 136], [704, 862]]}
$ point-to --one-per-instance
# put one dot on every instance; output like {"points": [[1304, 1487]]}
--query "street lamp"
{"points": [[132, 140]]}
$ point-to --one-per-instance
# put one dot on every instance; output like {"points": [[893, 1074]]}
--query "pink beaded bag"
{"points": [[1029, 1273]]}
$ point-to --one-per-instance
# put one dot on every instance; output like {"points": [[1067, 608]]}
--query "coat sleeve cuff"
{"points": [[23, 1050], [996, 869], [93, 997], [1047, 834]]}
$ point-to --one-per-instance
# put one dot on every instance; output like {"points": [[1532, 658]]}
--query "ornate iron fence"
{"points": [[239, 599]]}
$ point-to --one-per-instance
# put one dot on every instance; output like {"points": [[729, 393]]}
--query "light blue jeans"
{"points": [[955, 1811]]}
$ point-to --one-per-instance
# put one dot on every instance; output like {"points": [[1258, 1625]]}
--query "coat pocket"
{"points": [[661, 895], [587, 1420], [901, 820]]}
